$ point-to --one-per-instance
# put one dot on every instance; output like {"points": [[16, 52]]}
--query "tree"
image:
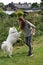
{"points": [[35, 5], [41, 4], [1, 5], [1, 9]]}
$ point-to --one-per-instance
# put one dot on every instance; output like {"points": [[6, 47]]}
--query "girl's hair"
{"points": [[22, 22]]}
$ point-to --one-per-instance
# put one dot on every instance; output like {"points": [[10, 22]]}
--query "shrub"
{"points": [[19, 13], [3, 15], [40, 12], [13, 14]]}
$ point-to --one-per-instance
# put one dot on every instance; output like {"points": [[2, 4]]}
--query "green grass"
{"points": [[20, 54]]}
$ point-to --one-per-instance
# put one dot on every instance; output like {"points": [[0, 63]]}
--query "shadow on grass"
{"points": [[3, 57], [22, 54]]}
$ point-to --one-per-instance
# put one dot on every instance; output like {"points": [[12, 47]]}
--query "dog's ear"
{"points": [[13, 27], [10, 28]]}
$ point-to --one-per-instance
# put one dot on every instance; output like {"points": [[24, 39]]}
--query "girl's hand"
{"points": [[33, 31]]}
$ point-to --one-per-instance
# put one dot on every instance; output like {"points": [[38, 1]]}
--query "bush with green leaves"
{"points": [[2, 14], [19, 13], [40, 12], [13, 15]]}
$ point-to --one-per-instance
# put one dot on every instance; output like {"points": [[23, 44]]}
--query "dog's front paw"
{"points": [[5, 55], [10, 56]]}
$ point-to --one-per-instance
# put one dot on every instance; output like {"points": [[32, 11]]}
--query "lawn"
{"points": [[20, 57]]}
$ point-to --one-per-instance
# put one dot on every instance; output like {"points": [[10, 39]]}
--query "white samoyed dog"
{"points": [[13, 36]]}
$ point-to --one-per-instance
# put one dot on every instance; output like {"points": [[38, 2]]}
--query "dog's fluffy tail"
{"points": [[3, 45]]}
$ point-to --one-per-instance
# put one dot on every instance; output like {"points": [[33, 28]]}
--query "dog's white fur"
{"points": [[12, 38]]}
